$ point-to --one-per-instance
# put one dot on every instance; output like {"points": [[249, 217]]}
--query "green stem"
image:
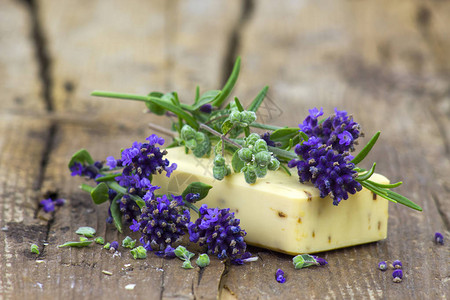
{"points": [[216, 133], [265, 126], [120, 189], [283, 154]]}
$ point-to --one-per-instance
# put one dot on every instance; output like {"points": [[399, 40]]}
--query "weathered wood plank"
{"points": [[313, 50], [19, 67], [22, 144], [133, 47]]}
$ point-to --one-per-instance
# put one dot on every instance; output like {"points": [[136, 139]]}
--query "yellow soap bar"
{"points": [[280, 213]]}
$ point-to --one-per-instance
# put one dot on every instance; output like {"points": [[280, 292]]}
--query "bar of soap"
{"points": [[280, 213]]}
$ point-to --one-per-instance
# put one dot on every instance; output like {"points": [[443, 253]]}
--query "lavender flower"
{"points": [[397, 264], [382, 266], [338, 131], [266, 137], [219, 231], [246, 257], [192, 197], [162, 222], [114, 246], [48, 205], [397, 275], [439, 238], [320, 261], [141, 161], [89, 171], [206, 108], [331, 172], [279, 276]]}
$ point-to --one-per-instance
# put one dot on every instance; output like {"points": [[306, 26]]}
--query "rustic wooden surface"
{"points": [[386, 62]]}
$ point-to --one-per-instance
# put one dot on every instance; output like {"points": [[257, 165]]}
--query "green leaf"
{"points": [[34, 249], [128, 242], [226, 90], [76, 244], [86, 231], [284, 134], [115, 212], [86, 188], [81, 156], [389, 185], [100, 193], [99, 240], [154, 108], [108, 177], [139, 252], [403, 200], [285, 169], [237, 163], [176, 110], [361, 155], [197, 187], [197, 94], [256, 103], [238, 104], [205, 98], [367, 175], [304, 136], [226, 126], [265, 126], [282, 154]]}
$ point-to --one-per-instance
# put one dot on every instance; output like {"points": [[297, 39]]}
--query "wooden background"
{"points": [[386, 62]]}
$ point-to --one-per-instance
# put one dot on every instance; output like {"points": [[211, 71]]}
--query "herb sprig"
{"points": [[213, 125]]}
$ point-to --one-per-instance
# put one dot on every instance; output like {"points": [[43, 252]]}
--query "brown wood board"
{"points": [[386, 63]]}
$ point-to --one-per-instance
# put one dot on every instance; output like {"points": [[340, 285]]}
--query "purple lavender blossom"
{"points": [[169, 252], [266, 137], [192, 197], [397, 264], [111, 162], [397, 275], [90, 171], [331, 172], [279, 276], [162, 222], [320, 261], [219, 231], [338, 130], [439, 238], [141, 161], [246, 257], [206, 108], [382, 266], [114, 246], [48, 205]]}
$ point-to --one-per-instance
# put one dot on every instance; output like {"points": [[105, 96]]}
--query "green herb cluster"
{"points": [[212, 125]]}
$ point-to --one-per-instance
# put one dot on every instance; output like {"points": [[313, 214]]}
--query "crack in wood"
{"points": [[222, 280], [441, 211], [235, 38], [42, 54]]}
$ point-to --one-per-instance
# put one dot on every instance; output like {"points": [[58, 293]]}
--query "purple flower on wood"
{"points": [[219, 231], [47, 205], [279, 276], [338, 130], [162, 222], [439, 238], [331, 172]]}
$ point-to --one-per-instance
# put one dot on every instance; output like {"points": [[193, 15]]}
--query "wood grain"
{"points": [[386, 62], [19, 67]]}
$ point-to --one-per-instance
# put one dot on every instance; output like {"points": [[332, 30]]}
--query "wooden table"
{"points": [[386, 62]]}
